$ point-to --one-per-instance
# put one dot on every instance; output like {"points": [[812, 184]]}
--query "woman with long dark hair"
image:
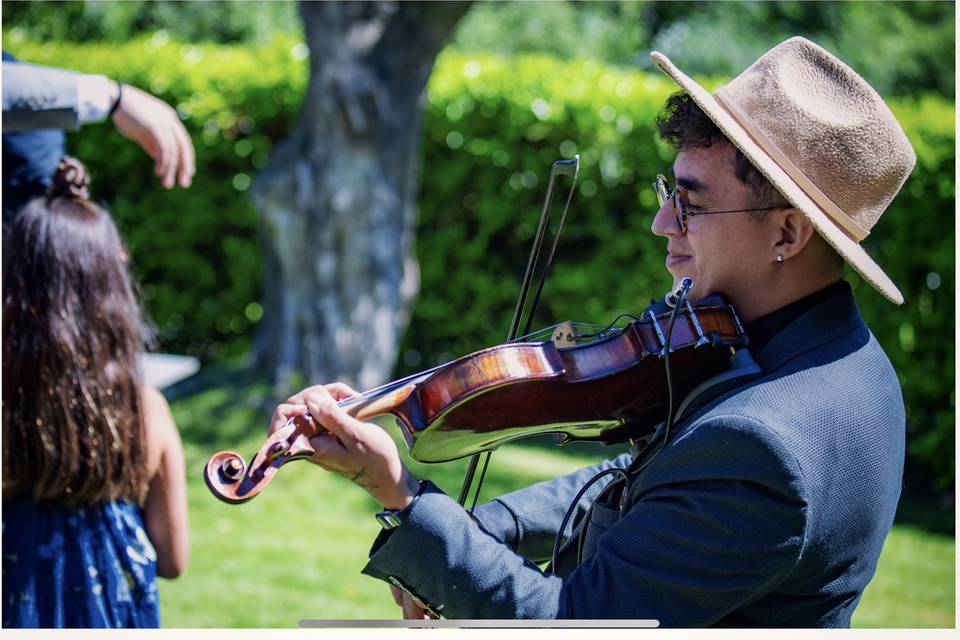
{"points": [[94, 493]]}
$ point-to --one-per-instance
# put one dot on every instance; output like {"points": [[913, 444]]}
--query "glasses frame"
{"points": [[661, 186]]}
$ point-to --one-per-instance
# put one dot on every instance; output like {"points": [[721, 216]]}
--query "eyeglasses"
{"points": [[662, 188]]}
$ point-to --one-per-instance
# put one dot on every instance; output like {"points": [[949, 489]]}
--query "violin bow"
{"points": [[538, 267]]}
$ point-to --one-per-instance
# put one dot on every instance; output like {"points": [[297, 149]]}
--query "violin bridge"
{"points": [[564, 335], [701, 339], [660, 336]]}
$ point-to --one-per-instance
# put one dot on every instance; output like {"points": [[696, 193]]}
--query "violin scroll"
{"points": [[230, 479]]}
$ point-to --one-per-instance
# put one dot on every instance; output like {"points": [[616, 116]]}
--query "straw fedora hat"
{"points": [[821, 135]]}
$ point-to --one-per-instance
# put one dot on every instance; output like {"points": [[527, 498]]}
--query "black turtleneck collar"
{"points": [[761, 330]]}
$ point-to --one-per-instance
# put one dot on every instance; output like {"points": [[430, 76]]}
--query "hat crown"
{"points": [[829, 123]]}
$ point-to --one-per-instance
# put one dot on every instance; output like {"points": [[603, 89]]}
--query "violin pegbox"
{"points": [[230, 479]]}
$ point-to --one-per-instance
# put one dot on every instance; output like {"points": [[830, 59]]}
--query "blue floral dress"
{"points": [[87, 567]]}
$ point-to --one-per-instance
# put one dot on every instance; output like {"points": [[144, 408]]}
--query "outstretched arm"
{"points": [[38, 97]]}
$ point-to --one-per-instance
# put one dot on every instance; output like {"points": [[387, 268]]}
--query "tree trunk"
{"points": [[338, 198]]}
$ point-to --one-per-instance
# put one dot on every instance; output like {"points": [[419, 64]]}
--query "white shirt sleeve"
{"points": [[95, 96]]}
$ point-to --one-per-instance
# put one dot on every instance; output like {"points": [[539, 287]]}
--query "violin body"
{"points": [[595, 391], [610, 389]]}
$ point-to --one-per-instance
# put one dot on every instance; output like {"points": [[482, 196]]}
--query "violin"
{"points": [[606, 386]]}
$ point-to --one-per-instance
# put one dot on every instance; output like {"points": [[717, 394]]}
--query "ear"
{"points": [[793, 233]]}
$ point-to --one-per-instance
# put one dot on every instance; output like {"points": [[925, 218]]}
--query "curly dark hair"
{"points": [[684, 125], [73, 429]]}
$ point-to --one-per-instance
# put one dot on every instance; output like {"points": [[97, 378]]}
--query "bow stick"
{"points": [[538, 268]]}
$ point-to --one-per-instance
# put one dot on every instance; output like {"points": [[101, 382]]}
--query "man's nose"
{"points": [[665, 222]]}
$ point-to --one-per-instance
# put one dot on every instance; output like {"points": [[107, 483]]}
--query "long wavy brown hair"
{"points": [[73, 429]]}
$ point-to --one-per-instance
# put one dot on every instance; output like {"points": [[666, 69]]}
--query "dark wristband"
{"points": [[116, 103]]}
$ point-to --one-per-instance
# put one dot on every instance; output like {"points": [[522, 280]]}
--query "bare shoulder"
{"points": [[159, 426], [156, 410]]}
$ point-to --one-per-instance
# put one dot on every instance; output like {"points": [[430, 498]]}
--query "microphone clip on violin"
{"points": [[680, 293]]}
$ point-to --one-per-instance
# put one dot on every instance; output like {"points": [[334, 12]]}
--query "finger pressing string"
{"points": [[325, 410], [283, 413]]}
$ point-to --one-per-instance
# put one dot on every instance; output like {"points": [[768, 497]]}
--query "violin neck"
{"points": [[378, 402]]}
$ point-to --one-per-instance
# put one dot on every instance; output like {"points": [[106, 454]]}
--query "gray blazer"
{"points": [[37, 97], [769, 506]]}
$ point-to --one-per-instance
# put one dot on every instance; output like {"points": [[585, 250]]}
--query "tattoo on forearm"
{"points": [[361, 480]]}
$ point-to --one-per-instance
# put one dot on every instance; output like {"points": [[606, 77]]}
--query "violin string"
{"points": [[390, 386], [610, 326], [581, 328], [530, 337]]}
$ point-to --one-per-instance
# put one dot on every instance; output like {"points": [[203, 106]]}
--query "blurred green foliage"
{"points": [[615, 32], [911, 43], [493, 128], [188, 21]]}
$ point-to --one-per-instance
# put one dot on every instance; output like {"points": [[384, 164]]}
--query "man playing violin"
{"points": [[769, 501]]}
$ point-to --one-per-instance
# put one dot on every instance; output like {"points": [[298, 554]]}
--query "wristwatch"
{"points": [[390, 519]]}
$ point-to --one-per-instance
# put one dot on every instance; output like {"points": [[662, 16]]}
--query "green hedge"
{"points": [[194, 251], [493, 128]]}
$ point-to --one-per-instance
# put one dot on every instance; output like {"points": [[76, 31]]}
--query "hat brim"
{"points": [[851, 251]]}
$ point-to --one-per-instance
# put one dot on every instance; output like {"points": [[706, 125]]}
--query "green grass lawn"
{"points": [[296, 551], [914, 585]]}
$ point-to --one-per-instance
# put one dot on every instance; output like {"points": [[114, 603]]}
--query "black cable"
{"points": [[680, 297], [116, 103], [609, 326], [573, 505]]}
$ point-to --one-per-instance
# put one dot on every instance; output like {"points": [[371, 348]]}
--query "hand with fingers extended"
{"points": [[155, 126], [359, 451]]}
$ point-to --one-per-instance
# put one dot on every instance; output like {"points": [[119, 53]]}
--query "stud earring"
{"points": [[780, 258]]}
